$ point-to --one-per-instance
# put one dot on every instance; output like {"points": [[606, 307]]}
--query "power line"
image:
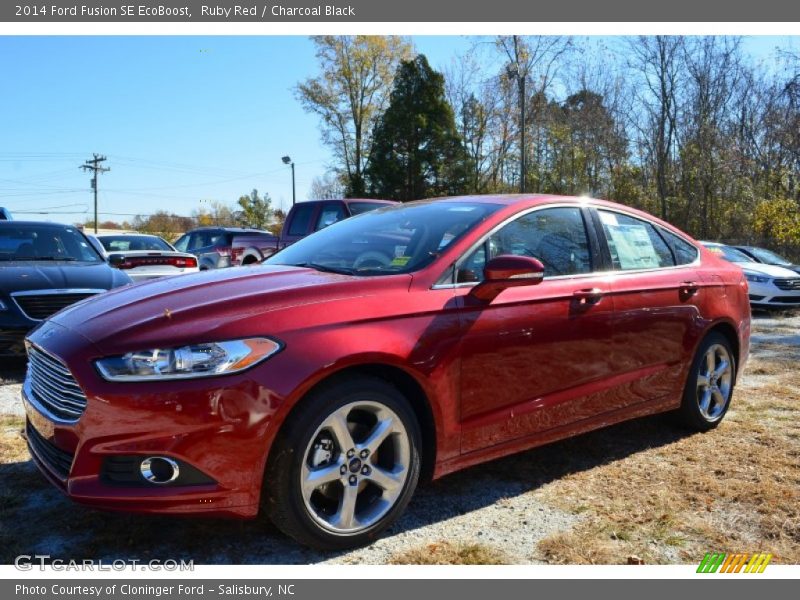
{"points": [[94, 166]]}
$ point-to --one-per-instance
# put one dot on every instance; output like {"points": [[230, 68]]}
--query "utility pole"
{"points": [[94, 166]]}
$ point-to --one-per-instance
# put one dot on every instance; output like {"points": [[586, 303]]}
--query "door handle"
{"points": [[689, 288], [588, 296]]}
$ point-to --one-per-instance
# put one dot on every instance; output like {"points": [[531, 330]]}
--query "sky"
{"points": [[183, 120]]}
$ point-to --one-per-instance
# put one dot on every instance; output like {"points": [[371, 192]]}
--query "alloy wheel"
{"points": [[355, 467], [714, 382]]}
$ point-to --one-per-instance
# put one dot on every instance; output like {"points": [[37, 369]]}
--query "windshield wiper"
{"points": [[325, 268]]}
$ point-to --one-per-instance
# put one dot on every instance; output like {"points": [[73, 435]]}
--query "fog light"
{"points": [[159, 469]]}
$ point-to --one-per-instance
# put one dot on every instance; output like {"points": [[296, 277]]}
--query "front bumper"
{"points": [[216, 428], [770, 295]]}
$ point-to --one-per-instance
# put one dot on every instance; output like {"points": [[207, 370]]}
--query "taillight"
{"points": [[180, 262], [183, 262]]}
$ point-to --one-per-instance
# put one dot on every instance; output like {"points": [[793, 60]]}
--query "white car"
{"points": [[770, 286], [143, 256]]}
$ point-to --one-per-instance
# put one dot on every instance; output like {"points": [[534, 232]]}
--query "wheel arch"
{"points": [[728, 330], [408, 385]]}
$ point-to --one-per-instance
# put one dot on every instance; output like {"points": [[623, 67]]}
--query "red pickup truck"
{"points": [[218, 247], [303, 219]]}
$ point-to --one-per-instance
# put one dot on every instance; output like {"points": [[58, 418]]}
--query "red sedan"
{"points": [[403, 343]]}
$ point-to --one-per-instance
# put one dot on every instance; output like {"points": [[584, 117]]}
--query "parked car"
{"points": [[768, 257], [221, 247], [45, 267], [304, 219], [143, 256], [770, 286], [408, 342], [5, 215]]}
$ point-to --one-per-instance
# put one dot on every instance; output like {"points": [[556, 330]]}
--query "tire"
{"points": [[706, 398], [312, 479]]}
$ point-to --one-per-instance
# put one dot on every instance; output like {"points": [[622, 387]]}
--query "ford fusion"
{"points": [[401, 344]]}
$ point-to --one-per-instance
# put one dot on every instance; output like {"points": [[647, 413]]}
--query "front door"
{"points": [[535, 356]]}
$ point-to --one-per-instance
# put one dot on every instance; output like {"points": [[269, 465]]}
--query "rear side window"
{"points": [[684, 252], [183, 243], [633, 243], [301, 219], [329, 214]]}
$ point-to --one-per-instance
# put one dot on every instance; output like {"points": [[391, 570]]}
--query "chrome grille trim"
{"points": [[50, 301], [788, 284], [51, 386]]}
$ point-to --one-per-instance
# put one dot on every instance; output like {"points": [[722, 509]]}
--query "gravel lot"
{"points": [[506, 505]]}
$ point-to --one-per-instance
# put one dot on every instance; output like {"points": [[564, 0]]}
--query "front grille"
{"points": [[53, 457], [12, 341], [788, 284], [787, 299], [53, 386], [42, 306]]}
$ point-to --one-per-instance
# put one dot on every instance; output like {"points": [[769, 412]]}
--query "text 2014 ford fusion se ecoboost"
{"points": [[403, 343]]}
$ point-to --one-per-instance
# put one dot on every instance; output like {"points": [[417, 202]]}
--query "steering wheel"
{"points": [[371, 259]]}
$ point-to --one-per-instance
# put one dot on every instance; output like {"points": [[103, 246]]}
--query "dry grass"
{"points": [[736, 488], [449, 553]]}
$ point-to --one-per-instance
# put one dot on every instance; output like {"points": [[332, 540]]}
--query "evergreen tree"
{"points": [[417, 151]]}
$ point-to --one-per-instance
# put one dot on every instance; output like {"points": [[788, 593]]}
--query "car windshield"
{"points": [[768, 257], [132, 243], [33, 242], [730, 254], [396, 239]]}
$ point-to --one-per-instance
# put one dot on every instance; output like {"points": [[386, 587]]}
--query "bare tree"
{"points": [[659, 63]]}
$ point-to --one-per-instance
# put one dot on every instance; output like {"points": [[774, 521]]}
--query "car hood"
{"points": [[768, 270], [32, 275], [210, 305]]}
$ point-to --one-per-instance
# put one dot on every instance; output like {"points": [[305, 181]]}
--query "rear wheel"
{"points": [[345, 465], [709, 387]]}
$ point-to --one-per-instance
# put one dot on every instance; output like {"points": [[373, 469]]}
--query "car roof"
{"points": [[228, 229], [10, 224], [124, 233], [348, 200]]}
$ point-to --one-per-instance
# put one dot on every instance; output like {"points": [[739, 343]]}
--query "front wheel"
{"points": [[709, 387], [345, 465]]}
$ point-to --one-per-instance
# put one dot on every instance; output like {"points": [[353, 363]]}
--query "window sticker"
{"points": [[400, 261], [633, 246], [608, 218]]}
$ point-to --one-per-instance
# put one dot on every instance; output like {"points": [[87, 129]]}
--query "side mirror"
{"points": [[115, 260], [507, 271]]}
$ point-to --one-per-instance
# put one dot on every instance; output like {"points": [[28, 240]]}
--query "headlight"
{"points": [[756, 278], [188, 362]]}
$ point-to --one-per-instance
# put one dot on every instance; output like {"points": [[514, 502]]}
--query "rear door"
{"points": [[657, 298], [299, 222]]}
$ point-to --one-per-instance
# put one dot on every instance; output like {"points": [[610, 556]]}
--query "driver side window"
{"points": [[555, 236]]}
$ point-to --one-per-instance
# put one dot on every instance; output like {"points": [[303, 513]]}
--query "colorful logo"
{"points": [[719, 562]]}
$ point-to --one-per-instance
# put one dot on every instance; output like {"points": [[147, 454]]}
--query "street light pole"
{"points": [[287, 160]]}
